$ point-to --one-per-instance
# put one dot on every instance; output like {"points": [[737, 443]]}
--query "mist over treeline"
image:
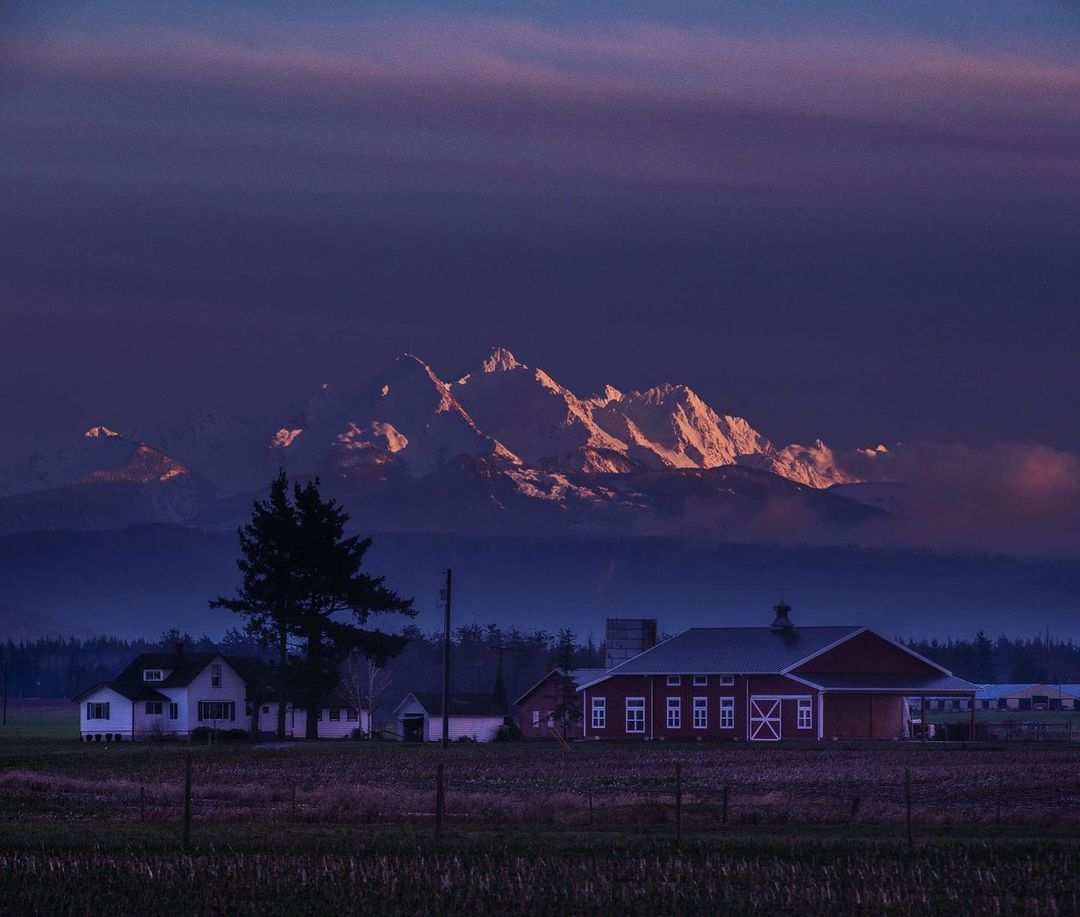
{"points": [[57, 667]]}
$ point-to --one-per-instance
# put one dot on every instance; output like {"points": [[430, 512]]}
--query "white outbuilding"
{"points": [[419, 717]]}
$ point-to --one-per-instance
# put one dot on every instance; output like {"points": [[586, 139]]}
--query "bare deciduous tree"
{"points": [[365, 684]]}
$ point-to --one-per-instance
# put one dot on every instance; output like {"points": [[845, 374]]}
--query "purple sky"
{"points": [[864, 227]]}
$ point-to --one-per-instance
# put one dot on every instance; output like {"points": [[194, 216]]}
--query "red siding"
{"points": [[656, 693], [867, 653], [545, 698]]}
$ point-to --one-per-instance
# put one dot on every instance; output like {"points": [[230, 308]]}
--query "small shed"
{"points": [[419, 717]]}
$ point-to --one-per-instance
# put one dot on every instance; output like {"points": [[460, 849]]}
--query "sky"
{"points": [[847, 220]]}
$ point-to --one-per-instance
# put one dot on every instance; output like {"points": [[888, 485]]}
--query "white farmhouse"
{"points": [[172, 694], [418, 717]]}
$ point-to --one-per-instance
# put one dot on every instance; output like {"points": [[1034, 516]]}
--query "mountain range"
{"points": [[552, 507], [502, 448]]}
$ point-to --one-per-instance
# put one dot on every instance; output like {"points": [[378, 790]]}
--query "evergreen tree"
{"points": [[328, 582], [269, 594]]}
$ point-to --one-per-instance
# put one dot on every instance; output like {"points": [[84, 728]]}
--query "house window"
{"points": [[635, 714], [727, 712], [701, 681], [153, 708], [335, 714], [599, 713], [673, 681], [806, 714], [215, 676], [213, 711], [97, 711], [265, 708], [701, 712], [674, 713], [152, 675], [352, 715], [956, 705], [174, 711], [536, 718], [727, 681]]}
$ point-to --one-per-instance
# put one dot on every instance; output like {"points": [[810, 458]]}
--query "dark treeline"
{"points": [[59, 667], [1006, 660], [56, 667]]}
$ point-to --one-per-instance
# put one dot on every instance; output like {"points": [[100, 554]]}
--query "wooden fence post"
{"points": [[723, 817], [907, 794], [678, 803], [294, 802], [142, 803], [590, 808], [1000, 790], [440, 800], [187, 800], [856, 801]]}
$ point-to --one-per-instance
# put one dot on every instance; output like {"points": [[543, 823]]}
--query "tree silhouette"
{"points": [[301, 572]]}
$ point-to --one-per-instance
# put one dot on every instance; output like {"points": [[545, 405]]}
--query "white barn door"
{"points": [[765, 722]]}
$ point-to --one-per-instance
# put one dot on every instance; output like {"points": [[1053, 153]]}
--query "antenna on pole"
{"points": [[446, 662]]}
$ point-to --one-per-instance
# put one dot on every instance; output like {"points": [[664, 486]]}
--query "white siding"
{"points": [[296, 723], [233, 688], [479, 728], [119, 720]]}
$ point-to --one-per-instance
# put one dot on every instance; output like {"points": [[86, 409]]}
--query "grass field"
{"points": [[534, 829], [35, 719]]}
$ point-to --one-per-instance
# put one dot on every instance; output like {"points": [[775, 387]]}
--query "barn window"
{"points": [[536, 718], [214, 711], [215, 676], [635, 714], [674, 713], [174, 711], [701, 712], [352, 715], [727, 681], [153, 708], [806, 713], [97, 711], [335, 714], [599, 713], [152, 675], [701, 681], [673, 681], [727, 712]]}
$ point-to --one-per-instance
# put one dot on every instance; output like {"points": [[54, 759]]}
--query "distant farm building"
{"points": [[1028, 697], [476, 717], [762, 684]]}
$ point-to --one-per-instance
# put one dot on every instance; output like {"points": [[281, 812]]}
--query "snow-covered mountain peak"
{"points": [[100, 432], [500, 360]]}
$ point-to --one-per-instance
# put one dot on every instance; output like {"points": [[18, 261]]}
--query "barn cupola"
{"points": [[782, 620]]}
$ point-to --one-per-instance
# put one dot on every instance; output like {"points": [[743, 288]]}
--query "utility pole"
{"points": [[6, 664], [446, 664]]}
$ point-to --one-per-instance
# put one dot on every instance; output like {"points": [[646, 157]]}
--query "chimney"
{"points": [[782, 622], [625, 638], [179, 649]]}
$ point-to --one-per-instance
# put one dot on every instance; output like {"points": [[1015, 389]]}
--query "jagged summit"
{"points": [[100, 432], [500, 360]]}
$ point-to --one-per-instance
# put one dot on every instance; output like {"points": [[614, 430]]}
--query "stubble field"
{"points": [[532, 828]]}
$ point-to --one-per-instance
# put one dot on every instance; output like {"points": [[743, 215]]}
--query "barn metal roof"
{"points": [[933, 683], [732, 650], [578, 676]]}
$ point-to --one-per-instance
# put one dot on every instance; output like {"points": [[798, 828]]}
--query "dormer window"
{"points": [[153, 674]]}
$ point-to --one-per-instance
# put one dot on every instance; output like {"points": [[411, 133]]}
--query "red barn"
{"points": [[765, 684]]}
